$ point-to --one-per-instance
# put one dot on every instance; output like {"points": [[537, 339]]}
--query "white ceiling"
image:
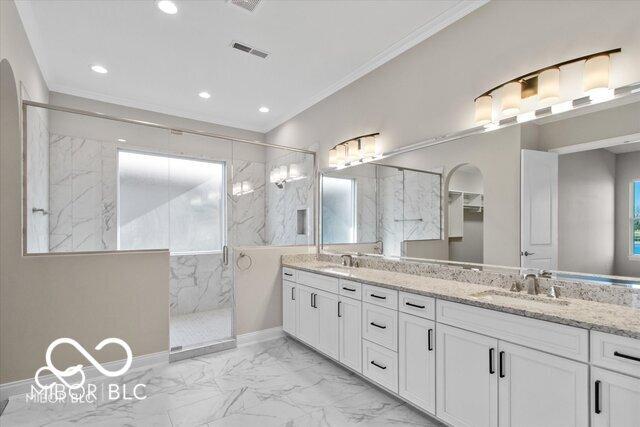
{"points": [[160, 62]]}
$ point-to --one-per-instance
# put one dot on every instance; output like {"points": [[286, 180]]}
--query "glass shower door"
{"points": [[201, 283]]}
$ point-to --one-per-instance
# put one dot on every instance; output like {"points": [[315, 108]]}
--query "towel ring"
{"points": [[240, 256]]}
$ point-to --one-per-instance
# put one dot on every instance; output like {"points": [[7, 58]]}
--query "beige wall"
{"points": [[429, 89], [259, 289], [497, 156], [627, 169], [86, 297], [586, 192]]}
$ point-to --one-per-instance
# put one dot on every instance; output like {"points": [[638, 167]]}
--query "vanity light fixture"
{"points": [[360, 149], [280, 175], [545, 84]]}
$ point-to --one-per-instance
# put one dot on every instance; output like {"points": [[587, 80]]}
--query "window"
{"points": [[170, 202], [635, 218], [338, 210]]}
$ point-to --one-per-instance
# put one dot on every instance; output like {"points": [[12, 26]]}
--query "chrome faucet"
{"points": [[347, 260], [531, 282]]}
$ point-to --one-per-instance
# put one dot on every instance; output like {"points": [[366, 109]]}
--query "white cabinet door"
{"points": [[307, 316], [417, 361], [615, 399], [326, 305], [538, 389], [350, 333], [466, 378], [289, 311]]}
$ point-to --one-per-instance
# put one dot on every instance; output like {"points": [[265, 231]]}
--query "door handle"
{"points": [[339, 302], [378, 326], [501, 363], [429, 337], [597, 397], [491, 369], [527, 253], [225, 255]]}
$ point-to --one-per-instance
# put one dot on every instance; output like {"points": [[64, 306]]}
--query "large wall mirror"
{"points": [[560, 193]]}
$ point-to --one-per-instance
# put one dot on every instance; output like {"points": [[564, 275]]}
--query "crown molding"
{"points": [[54, 87], [417, 36]]}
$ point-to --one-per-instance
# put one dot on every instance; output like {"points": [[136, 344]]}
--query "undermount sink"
{"points": [[505, 296], [338, 270]]}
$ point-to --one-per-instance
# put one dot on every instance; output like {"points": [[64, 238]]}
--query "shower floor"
{"points": [[201, 328]]}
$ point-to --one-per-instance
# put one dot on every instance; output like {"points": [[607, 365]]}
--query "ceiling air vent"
{"points": [[248, 49], [249, 5]]}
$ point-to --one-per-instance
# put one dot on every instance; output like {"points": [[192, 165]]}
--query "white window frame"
{"points": [[632, 217], [354, 219], [225, 218]]}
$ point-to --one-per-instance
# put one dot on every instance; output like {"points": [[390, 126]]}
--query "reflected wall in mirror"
{"points": [[561, 193], [374, 208]]}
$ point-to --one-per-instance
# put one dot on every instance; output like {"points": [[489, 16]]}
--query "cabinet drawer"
{"points": [[614, 352], [318, 281], [351, 289], [380, 325], [380, 365], [380, 296], [553, 338], [417, 305], [289, 274]]}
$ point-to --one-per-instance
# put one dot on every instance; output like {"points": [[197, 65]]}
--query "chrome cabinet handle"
{"points": [[501, 363], [378, 296], [348, 289], [293, 297], [339, 303], [378, 326], [491, 369], [429, 338], [597, 397], [414, 305]]}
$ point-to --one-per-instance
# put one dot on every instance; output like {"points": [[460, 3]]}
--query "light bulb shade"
{"points": [[483, 110], [341, 154], [549, 86], [368, 146], [511, 96], [274, 175], [282, 175], [596, 74], [333, 154], [294, 171], [353, 151]]}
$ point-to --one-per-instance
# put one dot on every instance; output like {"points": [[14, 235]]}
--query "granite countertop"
{"points": [[597, 316]]}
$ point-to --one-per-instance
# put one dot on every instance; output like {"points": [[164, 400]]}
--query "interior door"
{"points": [[328, 328], [307, 316], [539, 210], [615, 399], [466, 378], [350, 345], [289, 311], [417, 361], [538, 389]]}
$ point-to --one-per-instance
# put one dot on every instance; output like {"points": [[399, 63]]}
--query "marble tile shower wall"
{"points": [[284, 203], [82, 194], [38, 182], [408, 208]]}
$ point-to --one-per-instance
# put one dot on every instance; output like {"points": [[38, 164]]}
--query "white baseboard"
{"points": [[259, 336], [20, 387]]}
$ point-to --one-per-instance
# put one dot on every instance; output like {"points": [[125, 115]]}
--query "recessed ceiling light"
{"points": [[205, 95], [122, 140], [168, 7], [263, 109], [99, 69]]}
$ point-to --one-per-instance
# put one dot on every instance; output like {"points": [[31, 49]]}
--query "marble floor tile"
{"points": [[275, 383]]}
